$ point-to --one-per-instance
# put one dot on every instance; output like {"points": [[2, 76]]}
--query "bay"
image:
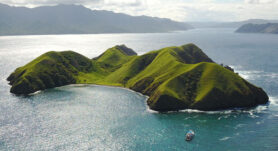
{"points": [[90, 117]]}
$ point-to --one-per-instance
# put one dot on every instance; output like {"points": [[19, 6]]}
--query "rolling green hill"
{"points": [[174, 78]]}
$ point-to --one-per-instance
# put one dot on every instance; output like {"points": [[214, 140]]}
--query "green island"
{"points": [[174, 78]]}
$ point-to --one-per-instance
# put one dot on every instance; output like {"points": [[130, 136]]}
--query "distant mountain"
{"points": [[230, 24], [271, 28], [77, 19]]}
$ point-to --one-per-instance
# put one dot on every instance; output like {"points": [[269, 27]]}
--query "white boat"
{"points": [[189, 135]]}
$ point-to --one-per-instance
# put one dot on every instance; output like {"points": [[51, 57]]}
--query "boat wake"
{"points": [[224, 138]]}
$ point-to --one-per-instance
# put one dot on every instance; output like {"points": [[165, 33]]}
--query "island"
{"points": [[270, 28], [174, 78]]}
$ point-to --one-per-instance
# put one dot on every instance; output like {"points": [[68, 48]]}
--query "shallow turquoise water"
{"points": [[107, 118], [89, 117]]}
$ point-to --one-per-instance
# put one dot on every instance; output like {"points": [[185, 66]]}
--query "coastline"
{"points": [[251, 111]]}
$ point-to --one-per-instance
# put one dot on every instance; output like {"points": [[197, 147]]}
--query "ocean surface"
{"points": [[90, 117]]}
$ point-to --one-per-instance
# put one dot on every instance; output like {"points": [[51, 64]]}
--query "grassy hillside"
{"points": [[115, 57], [175, 78], [49, 70]]}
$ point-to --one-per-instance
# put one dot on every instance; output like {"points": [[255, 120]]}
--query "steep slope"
{"points": [[114, 57], [175, 78], [50, 70], [205, 86]]}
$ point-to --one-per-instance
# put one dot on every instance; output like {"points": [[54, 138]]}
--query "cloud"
{"points": [[200, 10], [180, 10], [261, 1], [123, 2], [34, 3]]}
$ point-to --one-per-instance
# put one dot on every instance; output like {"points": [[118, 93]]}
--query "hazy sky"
{"points": [[181, 10]]}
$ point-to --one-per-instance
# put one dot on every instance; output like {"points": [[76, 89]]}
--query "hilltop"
{"points": [[174, 78]]}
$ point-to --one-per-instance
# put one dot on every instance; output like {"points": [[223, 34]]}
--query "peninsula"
{"points": [[270, 28], [174, 78]]}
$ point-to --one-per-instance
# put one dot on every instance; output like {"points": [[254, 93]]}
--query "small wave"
{"points": [[192, 111], [225, 116], [150, 110], [237, 134], [258, 123], [207, 112], [251, 112], [272, 75], [202, 121], [5, 82], [224, 138], [258, 109], [37, 92], [236, 67], [273, 100], [253, 74], [239, 126], [250, 75]]}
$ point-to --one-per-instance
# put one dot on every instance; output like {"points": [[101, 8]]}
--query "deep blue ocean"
{"points": [[90, 117]]}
